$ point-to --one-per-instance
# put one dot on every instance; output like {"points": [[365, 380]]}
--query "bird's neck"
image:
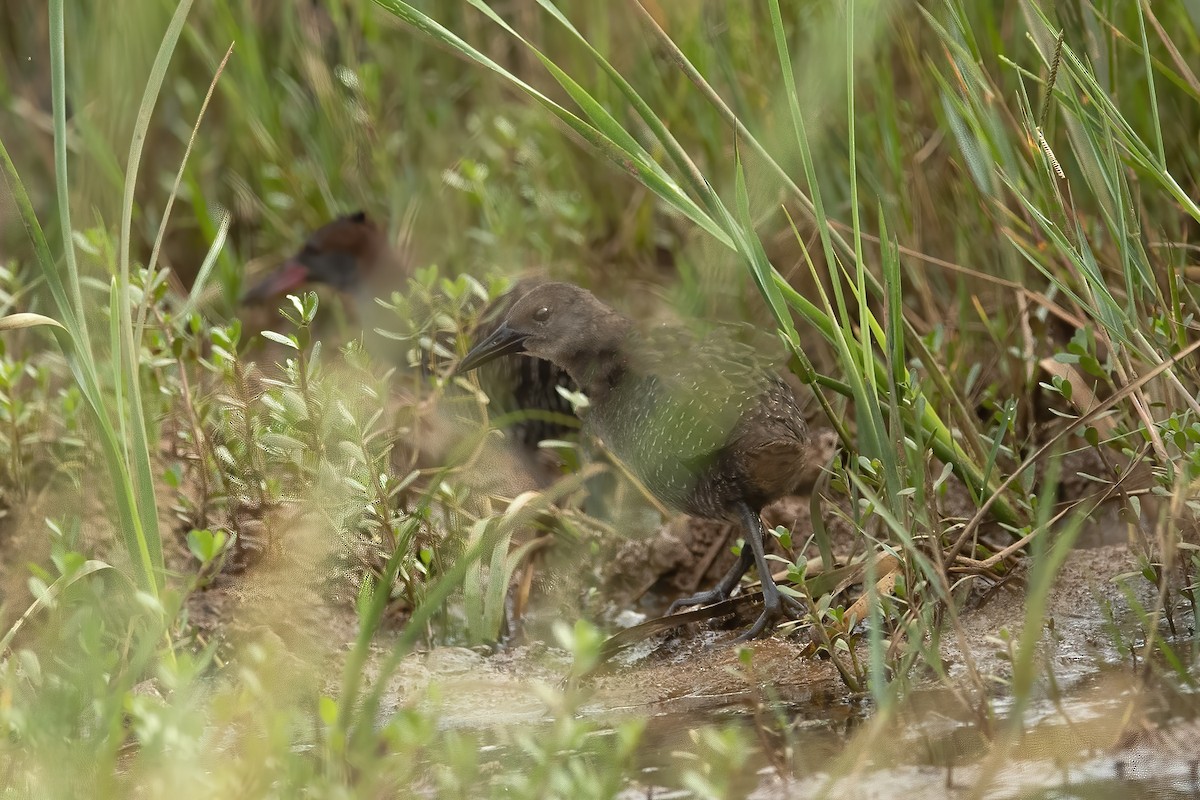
{"points": [[381, 273], [602, 362]]}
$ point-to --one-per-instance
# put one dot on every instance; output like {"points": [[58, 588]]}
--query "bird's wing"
{"points": [[702, 387]]}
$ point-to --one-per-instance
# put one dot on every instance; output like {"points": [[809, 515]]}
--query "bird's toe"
{"points": [[764, 625], [700, 599], [793, 608]]}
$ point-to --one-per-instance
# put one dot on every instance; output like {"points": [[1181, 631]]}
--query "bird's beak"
{"points": [[503, 341], [287, 277]]}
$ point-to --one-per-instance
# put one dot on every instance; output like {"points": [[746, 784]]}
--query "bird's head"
{"points": [[559, 322], [338, 254]]}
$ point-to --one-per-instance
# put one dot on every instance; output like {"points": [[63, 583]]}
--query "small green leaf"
{"points": [[279, 338], [39, 589], [784, 536], [206, 545], [27, 320]]}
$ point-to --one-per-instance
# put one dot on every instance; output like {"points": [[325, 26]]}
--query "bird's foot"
{"points": [[773, 611], [793, 607], [766, 622], [717, 595]]}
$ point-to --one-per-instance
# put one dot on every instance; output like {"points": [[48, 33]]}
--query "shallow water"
{"points": [[1095, 727]]}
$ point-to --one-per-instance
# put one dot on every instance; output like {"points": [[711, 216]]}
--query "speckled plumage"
{"points": [[703, 424], [704, 428]]}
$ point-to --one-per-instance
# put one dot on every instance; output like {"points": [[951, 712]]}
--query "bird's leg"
{"points": [[774, 603], [723, 589]]}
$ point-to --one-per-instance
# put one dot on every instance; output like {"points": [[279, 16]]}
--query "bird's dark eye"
{"points": [[542, 314]]}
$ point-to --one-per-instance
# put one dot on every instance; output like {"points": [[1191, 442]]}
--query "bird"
{"points": [[706, 426], [347, 253], [351, 254]]}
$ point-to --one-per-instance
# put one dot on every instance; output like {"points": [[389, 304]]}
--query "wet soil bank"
{"points": [[1094, 726]]}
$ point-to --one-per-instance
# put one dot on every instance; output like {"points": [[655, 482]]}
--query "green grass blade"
{"points": [[648, 173], [357, 722], [1159, 149], [801, 134], [150, 541], [41, 248], [206, 267], [710, 94], [187, 152], [700, 187], [761, 270], [82, 366], [61, 183]]}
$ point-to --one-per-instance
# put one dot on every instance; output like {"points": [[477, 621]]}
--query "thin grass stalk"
{"points": [[876, 379], [1117, 321], [47, 598], [187, 151], [369, 624], [876, 649], [1132, 144], [58, 94], [1159, 150], [1046, 567], [861, 366], [945, 446], [357, 714], [1186, 78], [935, 573], [894, 309], [356, 721], [701, 187], [150, 542], [750, 248], [1125, 391], [200, 284]]}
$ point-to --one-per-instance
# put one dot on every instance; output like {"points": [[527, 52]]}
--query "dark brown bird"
{"points": [[352, 254], [706, 427], [347, 254]]}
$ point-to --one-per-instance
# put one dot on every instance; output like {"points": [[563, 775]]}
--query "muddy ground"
{"points": [[1096, 724]]}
